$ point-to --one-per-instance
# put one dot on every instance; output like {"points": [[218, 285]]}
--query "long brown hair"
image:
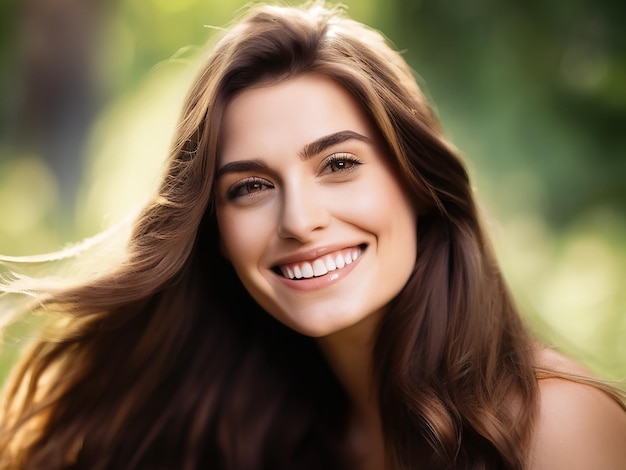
{"points": [[166, 362]]}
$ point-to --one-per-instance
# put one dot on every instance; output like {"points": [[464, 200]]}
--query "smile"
{"points": [[321, 266]]}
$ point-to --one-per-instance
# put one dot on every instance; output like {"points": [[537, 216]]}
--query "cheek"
{"points": [[383, 207], [240, 236], [390, 216], [245, 235]]}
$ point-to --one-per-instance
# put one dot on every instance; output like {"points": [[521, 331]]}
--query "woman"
{"points": [[310, 181]]}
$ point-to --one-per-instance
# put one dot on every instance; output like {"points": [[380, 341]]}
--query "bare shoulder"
{"points": [[579, 426]]}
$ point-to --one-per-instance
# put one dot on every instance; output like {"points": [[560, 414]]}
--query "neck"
{"points": [[350, 355]]}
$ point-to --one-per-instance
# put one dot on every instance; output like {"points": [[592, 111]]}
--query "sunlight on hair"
{"points": [[24, 278]]}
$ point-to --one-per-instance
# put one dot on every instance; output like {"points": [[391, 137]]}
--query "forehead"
{"points": [[282, 117]]}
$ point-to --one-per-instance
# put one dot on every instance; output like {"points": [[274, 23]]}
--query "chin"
{"points": [[327, 326]]}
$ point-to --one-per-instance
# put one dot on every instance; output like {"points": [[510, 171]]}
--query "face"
{"points": [[310, 213]]}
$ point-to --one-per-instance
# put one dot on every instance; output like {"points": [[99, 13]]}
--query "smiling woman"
{"points": [[305, 188], [310, 288]]}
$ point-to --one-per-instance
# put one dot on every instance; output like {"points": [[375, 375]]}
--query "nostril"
{"points": [[301, 216]]}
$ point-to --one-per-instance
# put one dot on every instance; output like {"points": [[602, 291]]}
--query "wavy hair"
{"points": [[166, 361]]}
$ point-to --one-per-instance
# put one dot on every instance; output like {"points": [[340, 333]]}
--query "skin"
{"points": [[579, 426], [287, 194], [302, 177]]}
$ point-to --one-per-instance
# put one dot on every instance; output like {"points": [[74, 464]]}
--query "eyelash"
{"points": [[236, 191], [242, 188], [345, 158]]}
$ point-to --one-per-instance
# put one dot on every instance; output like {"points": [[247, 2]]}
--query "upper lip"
{"points": [[312, 253]]}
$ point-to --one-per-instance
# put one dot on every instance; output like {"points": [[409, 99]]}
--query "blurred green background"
{"points": [[533, 93]]}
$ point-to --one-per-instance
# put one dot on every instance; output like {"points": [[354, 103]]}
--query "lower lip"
{"points": [[316, 283]]}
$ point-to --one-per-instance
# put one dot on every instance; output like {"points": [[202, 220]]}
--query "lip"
{"points": [[320, 282], [311, 254]]}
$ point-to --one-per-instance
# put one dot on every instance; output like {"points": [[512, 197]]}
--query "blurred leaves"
{"points": [[533, 87]]}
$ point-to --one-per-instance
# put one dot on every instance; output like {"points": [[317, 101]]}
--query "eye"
{"points": [[339, 162], [248, 187]]}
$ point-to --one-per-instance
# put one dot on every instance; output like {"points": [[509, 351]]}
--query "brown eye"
{"points": [[248, 187], [339, 162], [340, 165], [253, 187]]}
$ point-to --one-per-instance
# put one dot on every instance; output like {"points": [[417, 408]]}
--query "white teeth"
{"points": [[319, 268], [330, 263], [340, 262], [307, 270]]}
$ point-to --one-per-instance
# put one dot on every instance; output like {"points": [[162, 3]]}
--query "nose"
{"points": [[303, 213]]}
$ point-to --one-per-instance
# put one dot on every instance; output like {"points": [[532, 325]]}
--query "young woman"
{"points": [[310, 288]]}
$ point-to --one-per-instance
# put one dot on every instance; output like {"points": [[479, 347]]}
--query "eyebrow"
{"points": [[308, 151], [321, 144], [241, 166]]}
